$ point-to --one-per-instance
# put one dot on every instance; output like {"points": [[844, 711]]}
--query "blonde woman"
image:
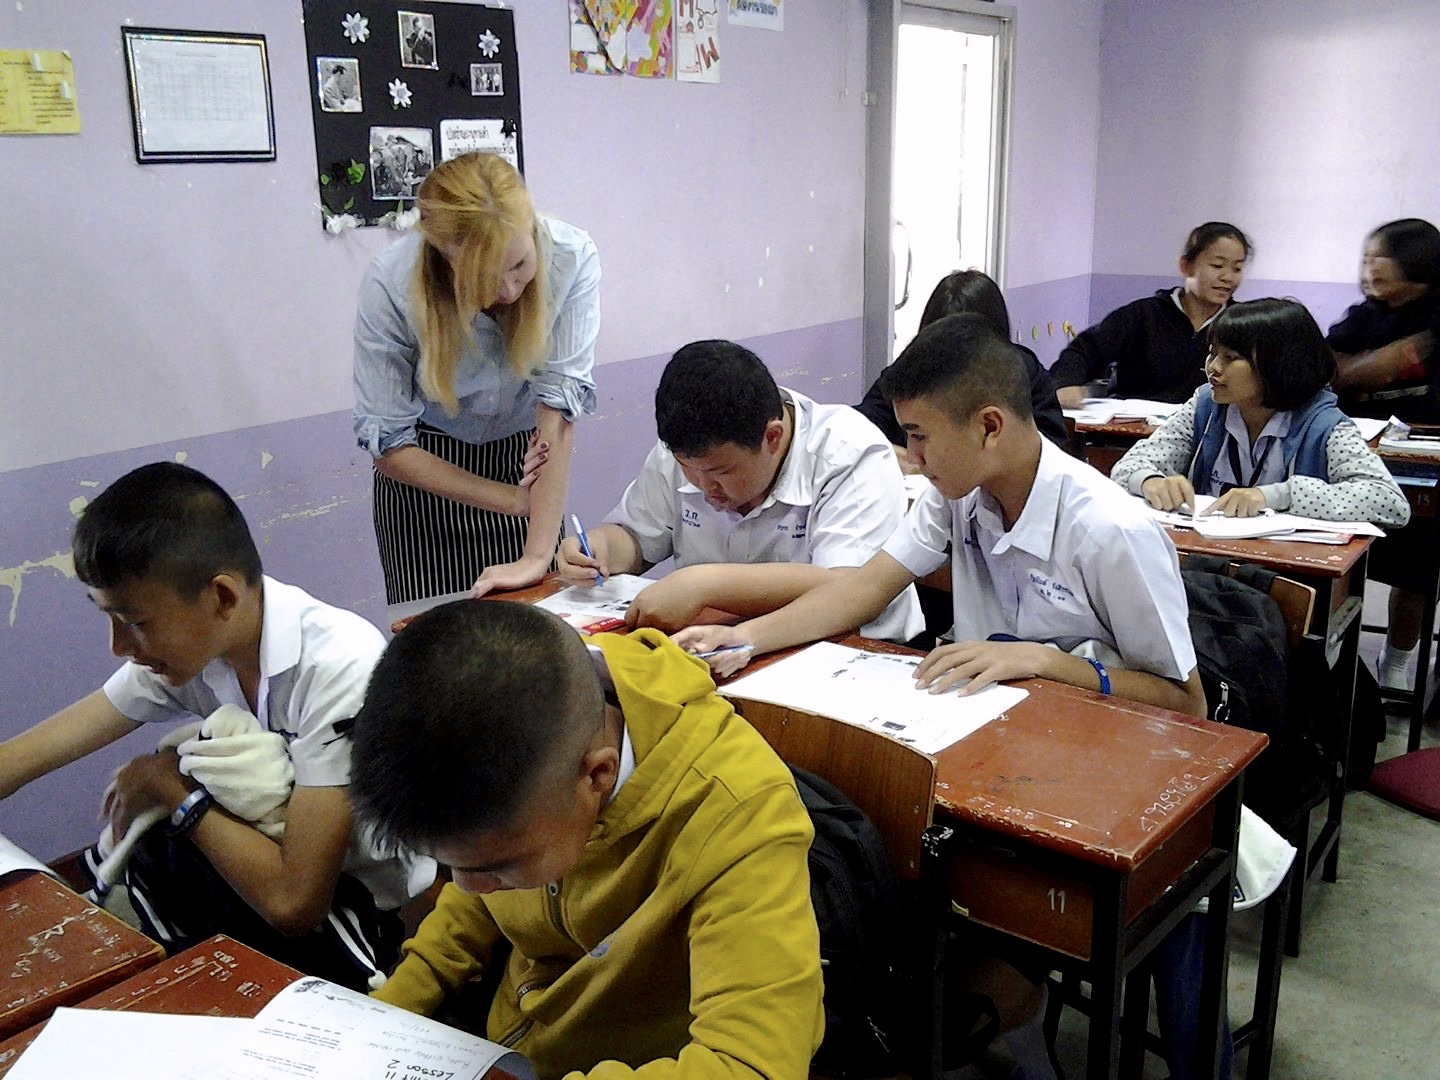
{"points": [[474, 345]]}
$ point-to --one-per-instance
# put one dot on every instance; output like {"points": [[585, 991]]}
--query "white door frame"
{"points": [[884, 31]]}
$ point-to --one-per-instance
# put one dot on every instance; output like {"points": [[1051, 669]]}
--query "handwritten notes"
{"points": [[876, 691], [592, 609]]}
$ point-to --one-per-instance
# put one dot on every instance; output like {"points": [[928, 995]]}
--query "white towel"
{"points": [[244, 767], [1262, 859]]}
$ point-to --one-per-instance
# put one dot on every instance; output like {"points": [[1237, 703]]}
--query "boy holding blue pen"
{"points": [[756, 491]]}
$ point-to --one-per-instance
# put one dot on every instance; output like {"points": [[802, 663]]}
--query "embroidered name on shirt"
{"points": [[690, 516], [797, 530], [1051, 590]]}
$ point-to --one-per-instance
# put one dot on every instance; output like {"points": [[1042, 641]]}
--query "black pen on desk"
{"points": [[585, 544]]}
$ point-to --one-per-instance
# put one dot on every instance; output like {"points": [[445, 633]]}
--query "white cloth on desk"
{"points": [[837, 497], [1083, 563]]}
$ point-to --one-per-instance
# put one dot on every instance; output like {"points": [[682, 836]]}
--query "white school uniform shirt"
{"points": [[1084, 564], [1262, 462], [837, 497], [315, 661]]}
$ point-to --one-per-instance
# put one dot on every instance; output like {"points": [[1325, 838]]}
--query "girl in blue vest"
{"points": [[1265, 430]]}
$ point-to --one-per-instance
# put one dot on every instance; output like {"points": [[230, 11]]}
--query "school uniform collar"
{"points": [[1277, 427], [1034, 530], [1177, 294], [280, 637]]}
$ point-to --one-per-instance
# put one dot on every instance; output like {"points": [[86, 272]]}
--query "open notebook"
{"points": [[311, 1029], [1266, 523]]}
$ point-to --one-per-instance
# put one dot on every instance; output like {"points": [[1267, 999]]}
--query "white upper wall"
{"points": [[1304, 122]]}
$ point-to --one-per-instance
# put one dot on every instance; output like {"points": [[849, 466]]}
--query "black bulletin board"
{"points": [[459, 63]]}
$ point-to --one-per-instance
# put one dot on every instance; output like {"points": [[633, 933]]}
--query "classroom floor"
{"points": [[1361, 998]]}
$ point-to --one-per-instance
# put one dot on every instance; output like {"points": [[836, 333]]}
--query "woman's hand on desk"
{"points": [[983, 663], [1168, 492], [726, 649], [510, 575]]}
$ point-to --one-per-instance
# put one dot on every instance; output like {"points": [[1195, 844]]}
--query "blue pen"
{"points": [[585, 544]]}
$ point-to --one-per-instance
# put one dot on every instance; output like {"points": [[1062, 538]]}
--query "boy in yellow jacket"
{"points": [[606, 813]]}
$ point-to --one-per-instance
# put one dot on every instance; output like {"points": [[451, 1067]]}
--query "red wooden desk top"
{"points": [[219, 977], [1132, 429], [56, 948], [1317, 560]]}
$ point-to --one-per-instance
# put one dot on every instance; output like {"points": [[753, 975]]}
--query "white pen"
{"points": [[722, 649]]}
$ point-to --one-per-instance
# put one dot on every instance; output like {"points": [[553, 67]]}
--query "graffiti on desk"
{"points": [[24, 962], [1176, 793]]}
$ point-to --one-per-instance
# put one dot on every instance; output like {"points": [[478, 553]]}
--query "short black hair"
{"points": [[163, 522], [967, 290], [715, 392], [1282, 341], [964, 361], [1414, 244], [1202, 236], [474, 711]]}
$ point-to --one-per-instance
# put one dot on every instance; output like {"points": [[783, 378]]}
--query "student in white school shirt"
{"points": [[1056, 571], [755, 490]]}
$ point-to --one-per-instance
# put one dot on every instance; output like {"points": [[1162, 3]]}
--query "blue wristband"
{"points": [[1104, 675], [188, 814]]}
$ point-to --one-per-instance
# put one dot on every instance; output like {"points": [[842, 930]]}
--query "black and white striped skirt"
{"points": [[432, 546]]}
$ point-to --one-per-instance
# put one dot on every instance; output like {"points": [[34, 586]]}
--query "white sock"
{"points": [[1395, 666], [1027, 1046]]}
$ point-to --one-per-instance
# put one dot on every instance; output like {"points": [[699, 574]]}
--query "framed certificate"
{"points": [[199, 96]]}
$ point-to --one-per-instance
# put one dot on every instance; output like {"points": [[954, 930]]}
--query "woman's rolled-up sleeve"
{"points": [[566, 383], [387, 397]]}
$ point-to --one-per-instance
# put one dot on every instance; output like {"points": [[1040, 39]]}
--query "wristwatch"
{"points": [[188, 814]]}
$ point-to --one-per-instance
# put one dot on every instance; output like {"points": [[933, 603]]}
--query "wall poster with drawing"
{"points": [[398, 86]]}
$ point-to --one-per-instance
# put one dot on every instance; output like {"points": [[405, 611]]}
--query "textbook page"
{"points": [[13, 857], [876, 691], [593, 609], [320, 1031], [1265, 524], [129, 1045]]}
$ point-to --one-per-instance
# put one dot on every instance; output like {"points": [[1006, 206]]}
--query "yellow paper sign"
{"points": [[37, 93]]}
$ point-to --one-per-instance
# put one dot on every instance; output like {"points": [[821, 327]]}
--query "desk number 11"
{"points": [[1057, 900]]}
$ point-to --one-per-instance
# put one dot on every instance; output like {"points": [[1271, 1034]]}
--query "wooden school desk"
{"points": [[1102, 445], [1074, 814], [219, 977], [57, 948], [1417, 475]]}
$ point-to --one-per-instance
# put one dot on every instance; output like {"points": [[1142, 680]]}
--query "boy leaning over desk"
{"points": [[170, 562], [755, 490], [1056, 573], [633, 845]]}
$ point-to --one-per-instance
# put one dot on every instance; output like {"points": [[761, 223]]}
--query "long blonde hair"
{"points": [[476, 204]]}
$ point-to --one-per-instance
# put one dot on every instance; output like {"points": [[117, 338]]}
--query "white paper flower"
{"points": [[335, 224], [399, 94], [356, 27], [489, 44], [405, 219]]}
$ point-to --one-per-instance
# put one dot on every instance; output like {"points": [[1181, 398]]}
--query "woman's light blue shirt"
{"points": [[494, 401]]}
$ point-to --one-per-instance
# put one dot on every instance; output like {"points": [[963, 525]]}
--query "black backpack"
{"points": [[856, 899], [1247, 672]]}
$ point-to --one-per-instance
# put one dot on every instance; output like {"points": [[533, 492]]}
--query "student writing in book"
{"points": [[1154, 348], [474, 343], [1264, 432], [755, 490], [629, 857], [1055, 571], [171, 565], [1385, 346]]}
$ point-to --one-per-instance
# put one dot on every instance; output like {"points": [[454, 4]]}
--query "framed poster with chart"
{"points": [[196, 95], [396, 88]]}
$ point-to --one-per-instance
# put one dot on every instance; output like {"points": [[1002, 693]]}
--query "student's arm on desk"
{"points": [[454, 944], [986, 662], [614, 551], [68, 735], [289, 883], [744, 589], [842, 603], [1378, 368]]}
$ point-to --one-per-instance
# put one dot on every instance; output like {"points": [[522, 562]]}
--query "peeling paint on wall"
{"points": [[265, 458], [307, 512], [13, 577], [78, 504]]}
